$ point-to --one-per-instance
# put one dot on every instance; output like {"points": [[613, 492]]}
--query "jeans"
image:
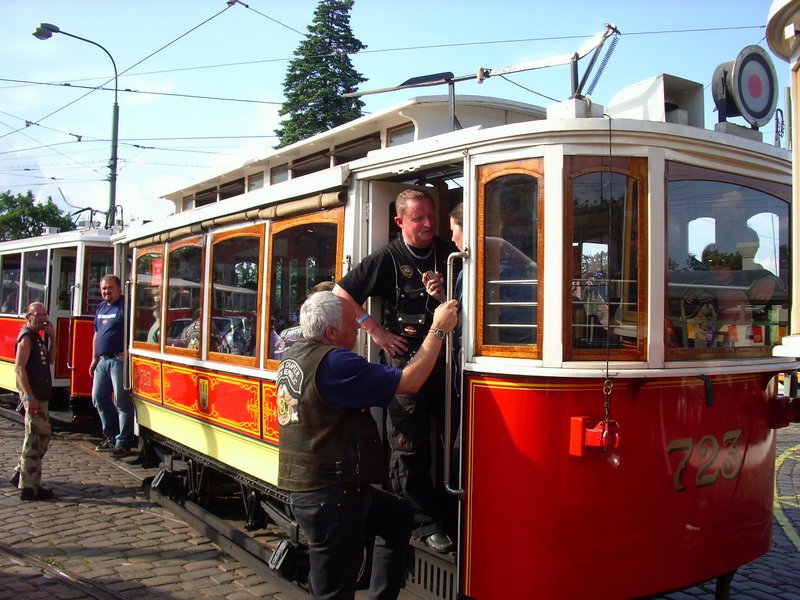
{"points": [[117, 421], [409, 420], [337, 520]]}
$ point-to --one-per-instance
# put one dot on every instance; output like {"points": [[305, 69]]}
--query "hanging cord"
{"points": [[608, 385]]}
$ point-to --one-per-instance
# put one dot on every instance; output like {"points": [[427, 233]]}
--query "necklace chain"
{"points": [[417, 256]]}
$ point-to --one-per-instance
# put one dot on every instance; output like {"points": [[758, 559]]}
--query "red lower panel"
{"points": [[685, 496]]}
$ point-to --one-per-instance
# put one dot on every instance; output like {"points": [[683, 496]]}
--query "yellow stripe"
{"points": [[777, 509]]}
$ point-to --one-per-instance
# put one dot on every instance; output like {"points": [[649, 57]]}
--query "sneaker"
{"points": [[105, 446], [120, 451]]}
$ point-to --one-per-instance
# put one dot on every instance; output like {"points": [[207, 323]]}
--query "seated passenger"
{"points": [[734, 313], [190, 338], [290, 335]]}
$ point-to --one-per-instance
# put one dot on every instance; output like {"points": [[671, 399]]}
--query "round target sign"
{"points": [[747, 87], [754, 80]]}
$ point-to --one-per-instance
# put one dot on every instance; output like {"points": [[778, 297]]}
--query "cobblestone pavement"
{"points": [[101, 531]]}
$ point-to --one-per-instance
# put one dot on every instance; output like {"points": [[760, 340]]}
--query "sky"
{"points": [[201, 81]]}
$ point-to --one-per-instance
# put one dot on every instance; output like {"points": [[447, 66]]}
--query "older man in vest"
{"points": [[323, 388]]}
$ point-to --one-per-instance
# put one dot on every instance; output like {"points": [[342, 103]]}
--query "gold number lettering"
{"points": [[733, 461], [707, 448], [681, 445]]}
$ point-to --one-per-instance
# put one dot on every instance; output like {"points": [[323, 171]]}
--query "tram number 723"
{"points": [[708, 450]]}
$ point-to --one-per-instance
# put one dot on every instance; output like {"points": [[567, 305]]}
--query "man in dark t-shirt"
{"points": [[406, 274]]}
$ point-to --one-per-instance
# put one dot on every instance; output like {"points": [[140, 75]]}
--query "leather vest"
{"points": [[412, 315], [38, 366], [318, 442]]}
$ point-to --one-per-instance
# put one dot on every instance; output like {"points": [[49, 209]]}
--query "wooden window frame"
{"points": [[200, 242], [157, 249], [335, 216], [253, 231], [533, 167], [678, 171], [634, 167]]}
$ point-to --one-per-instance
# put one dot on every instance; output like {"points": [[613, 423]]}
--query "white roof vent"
{"points": [[664, 98]]}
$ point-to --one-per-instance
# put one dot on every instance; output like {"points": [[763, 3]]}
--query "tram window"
{"points": [[235, 281], [147, 285], [605, 264], [727, 264], [185, 323], [304, 253], [66, 281], [509, 258], [255, 181], [99, 262], [9, 276], [34, 279]]}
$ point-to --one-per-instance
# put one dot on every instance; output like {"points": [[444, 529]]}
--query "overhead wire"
{"points": [[231, 3]]}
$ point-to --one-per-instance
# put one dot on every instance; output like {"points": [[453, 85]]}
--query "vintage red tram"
{"points": [[61, 270], [626, 278]]}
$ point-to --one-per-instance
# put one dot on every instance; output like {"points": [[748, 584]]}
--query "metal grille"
{"points": [[432, 576]]}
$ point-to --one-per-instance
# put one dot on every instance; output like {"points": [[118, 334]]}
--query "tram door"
{"points": [[59, 305], [91, 264]]}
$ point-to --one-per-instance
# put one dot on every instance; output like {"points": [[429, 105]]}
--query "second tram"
{"points": [[62, 270]]}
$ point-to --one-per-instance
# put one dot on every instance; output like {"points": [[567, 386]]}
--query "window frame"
{"points": [[678, 171], [533, 167], [276, 226], [200, 242], [156, 249], [252, 231], [635, 167]]}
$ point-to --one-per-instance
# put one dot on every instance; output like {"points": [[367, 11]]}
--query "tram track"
{"points": [[88, 588], [227, 536]]}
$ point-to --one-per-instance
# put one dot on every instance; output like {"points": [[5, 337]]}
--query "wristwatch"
{"points": [[29, 398], [439, 333]]}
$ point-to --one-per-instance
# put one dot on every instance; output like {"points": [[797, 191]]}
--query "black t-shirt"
{"points": [[395, 268], [376, 274]]}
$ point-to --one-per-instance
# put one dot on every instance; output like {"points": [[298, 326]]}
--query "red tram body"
{"points": [[619, 378]]}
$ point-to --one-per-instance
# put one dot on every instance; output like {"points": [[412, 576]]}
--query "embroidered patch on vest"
{"points": [[406, 271], [288, 384]]}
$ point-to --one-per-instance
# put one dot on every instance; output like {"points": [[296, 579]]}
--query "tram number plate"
{"points": [[715, 457]]}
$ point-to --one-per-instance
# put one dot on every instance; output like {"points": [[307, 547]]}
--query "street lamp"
{"points": [[44, 32]]}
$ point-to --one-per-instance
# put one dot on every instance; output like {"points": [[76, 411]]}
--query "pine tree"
{"points": [[321, 73]]}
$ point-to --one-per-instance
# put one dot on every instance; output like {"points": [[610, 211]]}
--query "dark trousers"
{"points": [[336, 521], [408, 423]]}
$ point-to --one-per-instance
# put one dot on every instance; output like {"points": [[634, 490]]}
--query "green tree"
{"points": [[21, 216], [321, 73]]}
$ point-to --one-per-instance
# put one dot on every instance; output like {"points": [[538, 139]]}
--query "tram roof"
{"points": [[86, 235], [426, 113]]}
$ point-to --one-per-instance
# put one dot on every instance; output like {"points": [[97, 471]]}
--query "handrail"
{"points": [[448, 392], [126, 363], [71, 353]]}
